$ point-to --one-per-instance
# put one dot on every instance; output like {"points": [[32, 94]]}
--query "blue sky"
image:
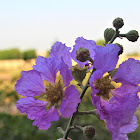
{"points": [[39, 23]]}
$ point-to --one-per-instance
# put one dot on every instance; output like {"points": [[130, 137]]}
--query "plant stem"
{"points": [[122, 35], [61, 130], [92, 112], [74, 114]]}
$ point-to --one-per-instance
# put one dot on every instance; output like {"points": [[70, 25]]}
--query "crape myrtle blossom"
{"points": [[55, 93], [61, 51], [118, 111]]}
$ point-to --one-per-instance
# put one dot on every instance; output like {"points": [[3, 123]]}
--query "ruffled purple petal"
{"points": [[129, 127], [119, 136], [66, 74], [128, 72], [30, 84], [48, 68], [59, 51], [70, 101], [44, 122], [106, 57], [33, 108], [88, 44], [119, 113]]}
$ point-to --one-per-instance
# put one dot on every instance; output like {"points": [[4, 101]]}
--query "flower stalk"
{"points": [[92, 112], [115, 36], [67, 131]]}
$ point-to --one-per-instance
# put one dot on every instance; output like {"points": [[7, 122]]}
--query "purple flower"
{"points": [[62, 52], [54, 94], [117, 111]]}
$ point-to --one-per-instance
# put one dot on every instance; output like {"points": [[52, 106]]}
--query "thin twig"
{"points": [[92, 112], [115, 36], [61, 130], [122, 35]]}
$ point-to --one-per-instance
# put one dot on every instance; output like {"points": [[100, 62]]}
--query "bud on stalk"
{"points": [[108, 34], [118, 23], [83, 55], [132, 35], [89, 131]]}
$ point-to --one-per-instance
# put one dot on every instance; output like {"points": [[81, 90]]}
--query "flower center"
{"points": [[104, 86], [54, 93]]}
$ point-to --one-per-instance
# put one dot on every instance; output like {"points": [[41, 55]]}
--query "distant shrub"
{"points": [[133, 54], [17, 54], [10, 54], [29, 54]]}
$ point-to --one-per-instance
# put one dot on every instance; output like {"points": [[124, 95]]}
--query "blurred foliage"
{"points": [[133, 54], [17, 54], [47, 53], [20, 128], [8, 97], [29, 54], [10, 54], [100, 42]]}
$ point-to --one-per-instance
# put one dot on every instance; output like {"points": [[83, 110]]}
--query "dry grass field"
{"points": [[9, 68], [10, 73]]}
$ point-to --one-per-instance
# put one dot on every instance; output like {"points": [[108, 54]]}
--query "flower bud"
{"points": [[132, 35], [118, 23], [121, 49], [108, 34], [82, 54], [89, 131], [79, 73]]}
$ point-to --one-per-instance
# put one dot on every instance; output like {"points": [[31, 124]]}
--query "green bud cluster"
{"points": [[110, 34]]}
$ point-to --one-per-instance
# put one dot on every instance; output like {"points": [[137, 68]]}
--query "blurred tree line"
{"points": [[17, 54], [133, 54]]}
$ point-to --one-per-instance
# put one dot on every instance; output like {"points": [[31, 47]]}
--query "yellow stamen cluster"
{"points": [[54, 93], [104, 86]]}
